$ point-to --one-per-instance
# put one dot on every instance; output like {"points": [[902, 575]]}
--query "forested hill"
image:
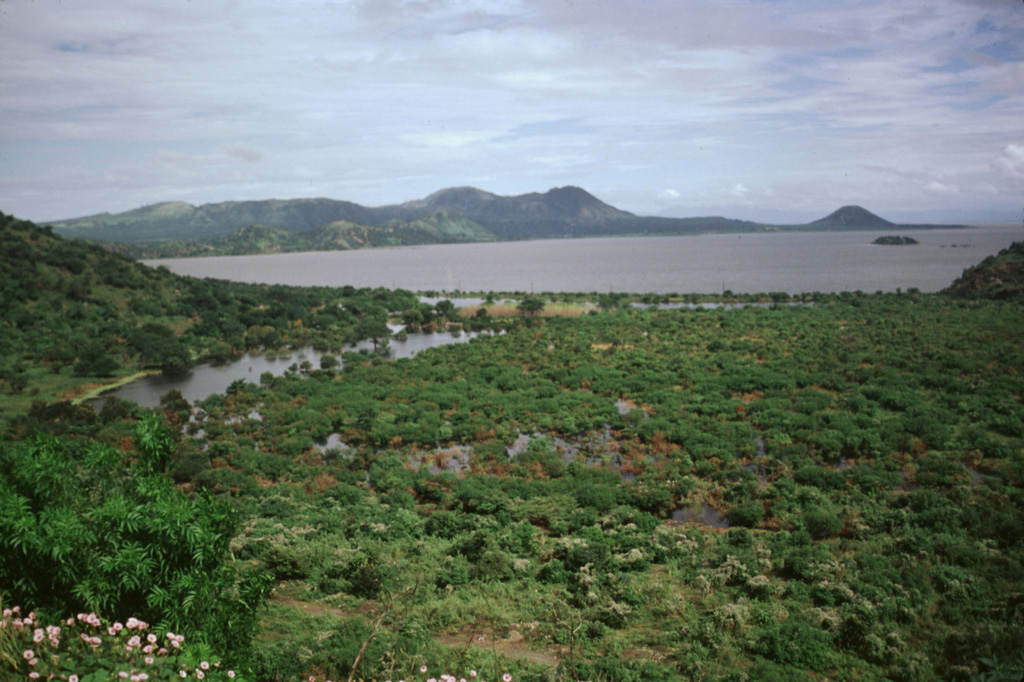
{"points": [[439, 227], [853, 216], [1000, 276], [451, 215], [76, 316], [460, 214]]}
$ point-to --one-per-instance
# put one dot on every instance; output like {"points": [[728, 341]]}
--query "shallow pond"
{"points": [[203, 380]]}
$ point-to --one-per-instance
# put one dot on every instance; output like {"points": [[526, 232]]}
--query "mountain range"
{"points": [[459, 214]]}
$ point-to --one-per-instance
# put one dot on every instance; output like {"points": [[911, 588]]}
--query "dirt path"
{"points": [[513, 646]]}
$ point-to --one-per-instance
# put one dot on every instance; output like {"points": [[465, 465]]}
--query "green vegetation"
{"points": [[826, 491], [342, 235], [459, 214], [997, 277], [76, 317]]}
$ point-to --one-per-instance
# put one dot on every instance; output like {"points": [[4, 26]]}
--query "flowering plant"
{"points": [[85, 649], [443, 677]]}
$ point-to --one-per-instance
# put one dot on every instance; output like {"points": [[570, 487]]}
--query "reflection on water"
{"points": [[464, 301], [204, 380], [700, 514], [711, 305]]}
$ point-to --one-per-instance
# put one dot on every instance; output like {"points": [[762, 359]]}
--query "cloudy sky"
{"points": [[757, 109]]}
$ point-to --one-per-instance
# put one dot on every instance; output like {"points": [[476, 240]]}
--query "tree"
{"points": [[81, 529], [531, 306], [94, 362], [445, 308], [159, 347], [373, 328]]}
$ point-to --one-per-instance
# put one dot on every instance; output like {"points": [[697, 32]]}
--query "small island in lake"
{"points": [[894, 241]]}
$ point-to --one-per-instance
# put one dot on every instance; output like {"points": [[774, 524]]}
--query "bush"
{"points": [[747, 514], [821, 523], [793, 643], [82, 530]]}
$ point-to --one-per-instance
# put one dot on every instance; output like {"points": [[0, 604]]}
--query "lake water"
{"points": [[792, 262], [203, 380]]}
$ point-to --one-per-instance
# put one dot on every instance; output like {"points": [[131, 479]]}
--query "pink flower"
{"points": [[472, 673], [200, 674], [204, 665], [122, 674], [33, 675], [28, 654], [183, 674], [73, 678], [151, 638], [423, 668], [506, 677], [231, 674], [148, 660], [38, 635]]}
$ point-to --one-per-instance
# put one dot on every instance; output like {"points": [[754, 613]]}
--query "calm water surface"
{"points": [[201, 381], [750, 263]]}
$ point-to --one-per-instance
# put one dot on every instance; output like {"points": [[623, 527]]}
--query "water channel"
{"points": [[205, 379]]}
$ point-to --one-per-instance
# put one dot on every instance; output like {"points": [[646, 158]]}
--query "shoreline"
{"points": [[96, 392]]}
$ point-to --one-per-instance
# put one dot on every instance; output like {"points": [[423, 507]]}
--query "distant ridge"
{"points": [[456, 214], [852, 216], [567, 203]]}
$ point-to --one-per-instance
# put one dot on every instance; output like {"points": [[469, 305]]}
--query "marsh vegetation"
{"points": [[789, 492]]}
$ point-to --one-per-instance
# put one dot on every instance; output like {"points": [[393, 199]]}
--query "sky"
{"points": [[771, 110]]}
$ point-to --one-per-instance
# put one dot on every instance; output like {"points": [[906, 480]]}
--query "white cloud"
{"points": [[1011, 161], [777, 104]]}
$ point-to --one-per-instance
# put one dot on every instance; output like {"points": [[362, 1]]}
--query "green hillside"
{"points": [[459, 214], [77, 317], [1000, 276], [439, 227], [179, 221]]}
